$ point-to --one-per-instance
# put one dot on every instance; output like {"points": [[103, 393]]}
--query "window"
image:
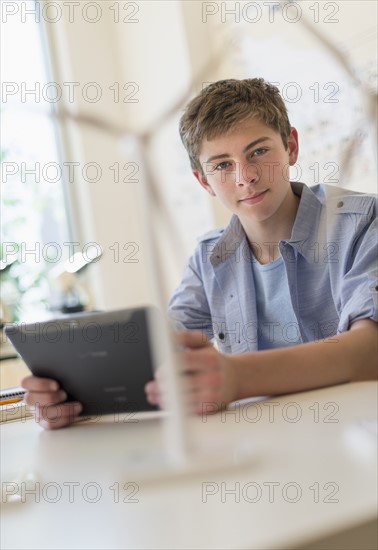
{"points": [[34, 222]]}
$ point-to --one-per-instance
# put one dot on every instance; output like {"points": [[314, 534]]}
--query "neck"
{"points": [[264, 236]]}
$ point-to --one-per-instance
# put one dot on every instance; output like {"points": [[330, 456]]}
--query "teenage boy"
{"points": [[288, 290]]}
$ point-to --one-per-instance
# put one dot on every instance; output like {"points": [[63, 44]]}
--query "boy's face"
{"points": [[248, 169]]}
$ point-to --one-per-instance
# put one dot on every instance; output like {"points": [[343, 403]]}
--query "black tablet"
{"points": [[101, 359]]}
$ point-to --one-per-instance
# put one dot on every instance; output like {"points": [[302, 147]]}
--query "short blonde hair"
{"points": [[223, 104]]}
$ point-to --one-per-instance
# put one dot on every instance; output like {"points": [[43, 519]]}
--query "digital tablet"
{"points": [[103, 360]]}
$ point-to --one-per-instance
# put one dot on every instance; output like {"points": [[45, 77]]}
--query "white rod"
{"points": [[177, 435]]}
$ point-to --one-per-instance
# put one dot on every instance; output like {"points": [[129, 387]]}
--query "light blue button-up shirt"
{"points": [[331, 265]]}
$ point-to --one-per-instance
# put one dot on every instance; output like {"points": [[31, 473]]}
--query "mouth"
{"points": [[253, 199]]}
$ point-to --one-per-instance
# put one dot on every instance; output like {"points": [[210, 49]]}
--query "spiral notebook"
{"points": [[12, 407]]}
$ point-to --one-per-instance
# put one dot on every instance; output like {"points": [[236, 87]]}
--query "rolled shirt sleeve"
{"points": [[359, 285]]}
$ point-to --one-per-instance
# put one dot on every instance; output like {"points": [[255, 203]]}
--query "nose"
{"points": [[249, 173]]}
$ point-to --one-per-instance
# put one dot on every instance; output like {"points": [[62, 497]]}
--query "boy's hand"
{"points": [[210, 379], [49, 401]]}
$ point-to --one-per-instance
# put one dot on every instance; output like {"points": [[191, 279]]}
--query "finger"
{"points": [[200, 360], [153, 398], [151, 386], [192, 339], [205, 401], [205, 386], [56, 416], [202, 405], [35, 383], [45, 398], [204, 408], [152, 392]]}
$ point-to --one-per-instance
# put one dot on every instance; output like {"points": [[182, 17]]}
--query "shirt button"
{"points": [[340, 204], [221, 336]]}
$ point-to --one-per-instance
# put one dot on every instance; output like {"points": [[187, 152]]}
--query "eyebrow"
{"points": [[247, 148]]}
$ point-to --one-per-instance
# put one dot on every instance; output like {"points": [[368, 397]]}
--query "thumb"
{"points": [[192, 339]]}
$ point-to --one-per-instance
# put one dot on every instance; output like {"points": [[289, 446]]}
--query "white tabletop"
{"points": [[311, 470]]}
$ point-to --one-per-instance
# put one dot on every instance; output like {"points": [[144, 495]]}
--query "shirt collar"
{"points": [[234, 236], [308, 211]]}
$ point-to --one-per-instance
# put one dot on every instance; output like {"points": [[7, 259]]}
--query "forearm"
{"points": [[347, 357]]}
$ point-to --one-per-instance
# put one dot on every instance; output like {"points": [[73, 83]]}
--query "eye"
{"points": [[259, 151], [222, 165]]}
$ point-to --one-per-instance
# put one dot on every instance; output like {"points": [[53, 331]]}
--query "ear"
{"points": [[204, 183], [293, 146]]}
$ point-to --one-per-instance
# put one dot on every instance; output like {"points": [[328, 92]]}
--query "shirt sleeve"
{"points": [[359, 287], [188, 307]]}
